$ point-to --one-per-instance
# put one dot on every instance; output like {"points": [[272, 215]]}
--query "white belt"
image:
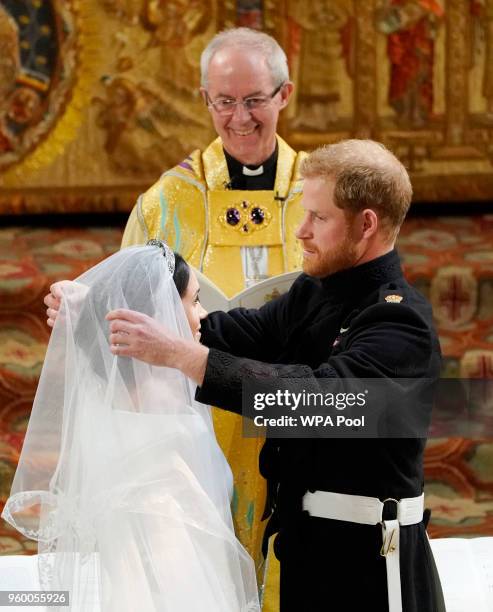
{"points": [[368, 511]]}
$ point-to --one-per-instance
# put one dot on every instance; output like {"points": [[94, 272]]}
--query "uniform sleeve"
{"points": [[135, 232], [248, 333], [386, 340]]}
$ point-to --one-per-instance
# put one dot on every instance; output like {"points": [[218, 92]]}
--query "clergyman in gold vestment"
{"points": [[231, 211]]}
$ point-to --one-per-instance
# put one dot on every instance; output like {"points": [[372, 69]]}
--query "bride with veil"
{"points": [[121, 480]]}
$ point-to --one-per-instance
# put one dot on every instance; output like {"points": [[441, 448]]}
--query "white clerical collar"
{"points": [[257, 172]]}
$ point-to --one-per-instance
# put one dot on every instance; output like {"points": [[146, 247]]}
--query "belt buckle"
{"points": [[396, 502], [387, 546]]}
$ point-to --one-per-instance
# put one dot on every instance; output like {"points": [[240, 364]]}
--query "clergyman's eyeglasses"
{"points": [[227, 106]]}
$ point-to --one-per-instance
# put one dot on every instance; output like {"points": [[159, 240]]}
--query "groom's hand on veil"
{"points": [[134, 334]]}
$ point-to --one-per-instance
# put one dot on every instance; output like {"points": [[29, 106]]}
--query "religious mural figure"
{"points": [[482, 15], [154, 110], [411, 27], [177, 22], [141, 130], [488, 64], [9, 68], [37, 72], [9, 53], [322, 34], [181, 29]]}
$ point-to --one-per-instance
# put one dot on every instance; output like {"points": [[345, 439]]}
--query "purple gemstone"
{"points": [[257, 215], [232, 216]]}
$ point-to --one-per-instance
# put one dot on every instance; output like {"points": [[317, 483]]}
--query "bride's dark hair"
{"points": [[137, 283], [181, 275]]}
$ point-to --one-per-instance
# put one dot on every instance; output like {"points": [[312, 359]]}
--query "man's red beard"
{"points": [[340, 256]]}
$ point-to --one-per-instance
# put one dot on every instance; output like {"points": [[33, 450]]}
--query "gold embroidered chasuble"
{"points": [[187, 208]]}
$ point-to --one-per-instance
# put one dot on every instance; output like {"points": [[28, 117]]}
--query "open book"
{"points": [[212, 298], [465, 567]]}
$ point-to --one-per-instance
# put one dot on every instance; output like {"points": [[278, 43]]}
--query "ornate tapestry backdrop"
{"points": [[448, 258], [98, 97]]}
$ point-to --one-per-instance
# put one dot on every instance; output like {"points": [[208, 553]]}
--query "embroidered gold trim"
{"points": [[394, 299]]}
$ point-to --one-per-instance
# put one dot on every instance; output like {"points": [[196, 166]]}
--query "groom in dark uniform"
{"points": [[348, 512]]}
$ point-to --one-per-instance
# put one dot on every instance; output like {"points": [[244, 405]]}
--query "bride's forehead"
{"points": [[193, 283]]}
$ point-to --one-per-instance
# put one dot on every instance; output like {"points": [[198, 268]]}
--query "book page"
{"points": [[264, 291], [459, 569], [212, 298]]}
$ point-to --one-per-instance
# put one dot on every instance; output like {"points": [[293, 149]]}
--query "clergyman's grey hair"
{"points": [[248, 40]]}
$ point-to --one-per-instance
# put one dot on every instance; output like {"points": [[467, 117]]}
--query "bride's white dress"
{"points": [[121, 479]]}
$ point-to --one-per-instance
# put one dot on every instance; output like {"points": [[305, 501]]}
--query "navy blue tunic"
{"points": [[327, 564]]}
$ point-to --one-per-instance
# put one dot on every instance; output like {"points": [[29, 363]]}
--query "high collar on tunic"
{"points": [[363, 279]]}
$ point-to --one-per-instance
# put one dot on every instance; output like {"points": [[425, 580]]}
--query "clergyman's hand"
{"points": [[134, 334]]}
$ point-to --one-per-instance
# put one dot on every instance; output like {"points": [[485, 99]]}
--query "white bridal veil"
{"points": [[121, 480]]}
